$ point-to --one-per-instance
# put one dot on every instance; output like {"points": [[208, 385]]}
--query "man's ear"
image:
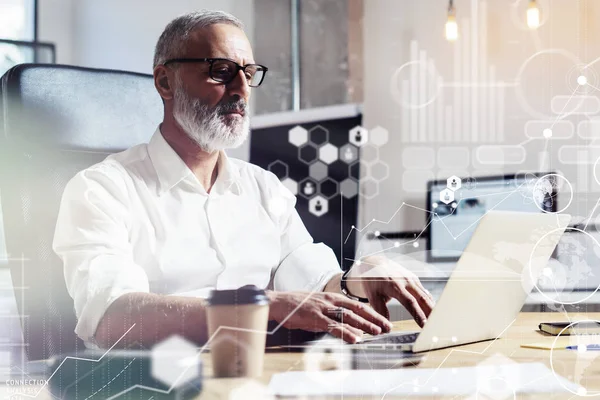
{"points": [[163, 81]]}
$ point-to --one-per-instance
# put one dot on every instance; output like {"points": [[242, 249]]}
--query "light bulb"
{"points": [[451, 27], [533, 15]]}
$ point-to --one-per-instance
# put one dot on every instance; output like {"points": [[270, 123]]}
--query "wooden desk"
{"points": [[524, 330]]}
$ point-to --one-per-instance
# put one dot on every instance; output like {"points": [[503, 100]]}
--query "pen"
{"points": [[590, 347]]}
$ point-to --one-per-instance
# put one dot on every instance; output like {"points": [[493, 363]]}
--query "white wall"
{"points": [[121, 34], [55, 24], [389, 28]]}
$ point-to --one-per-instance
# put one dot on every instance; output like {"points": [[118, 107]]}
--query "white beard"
{"points": [[206, 126]]}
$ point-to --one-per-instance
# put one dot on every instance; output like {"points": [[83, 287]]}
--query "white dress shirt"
{"points": [[140, 221]]}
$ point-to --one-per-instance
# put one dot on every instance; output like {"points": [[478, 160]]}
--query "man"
{"points": [[147, 233]]}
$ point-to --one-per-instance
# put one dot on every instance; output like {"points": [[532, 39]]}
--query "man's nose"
{"points": [[239, 86]]}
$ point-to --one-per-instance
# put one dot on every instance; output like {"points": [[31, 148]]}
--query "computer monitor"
{"points": [[453, 217]]}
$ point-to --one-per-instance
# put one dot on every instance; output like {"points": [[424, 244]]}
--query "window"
{"points": [[17, 20], [18, 37]]}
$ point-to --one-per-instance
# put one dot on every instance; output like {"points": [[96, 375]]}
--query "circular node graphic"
{"points": [[570, 269], [547, 133], [581, 80], [596, 166], [534, 78], [403, 74], [582, 371], [547, 191]]}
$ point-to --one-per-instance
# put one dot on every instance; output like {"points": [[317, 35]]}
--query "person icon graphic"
{"points": [[447, 196], [453, 182], [309, 189], [348, 154], [318, 206], [358, 137]]}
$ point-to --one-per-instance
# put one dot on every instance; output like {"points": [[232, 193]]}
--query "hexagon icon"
{"points": [[358, 170], [328, 188], [349, 188], [291, 185], [318, 135], [497, 378], [318, 206], [318, 171], [379, 136], [446, 196], [279, 168], [308, 153], [298, 136], [368, 188], [175, 361], [358, 136], [379, 171], [348, 153], [369, 153], [454, 183], [308, 188], [328, 153]]}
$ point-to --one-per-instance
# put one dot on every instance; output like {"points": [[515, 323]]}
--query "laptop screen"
{"points": [[456, 211]]}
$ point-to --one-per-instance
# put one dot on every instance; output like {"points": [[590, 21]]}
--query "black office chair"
{"points": [[55, 121]]}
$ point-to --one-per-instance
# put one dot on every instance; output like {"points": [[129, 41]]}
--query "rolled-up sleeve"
{"points": [[304, 265], [92, 239]]}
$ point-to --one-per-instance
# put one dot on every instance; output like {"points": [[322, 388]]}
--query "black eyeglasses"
{"points": [[224, 70]]}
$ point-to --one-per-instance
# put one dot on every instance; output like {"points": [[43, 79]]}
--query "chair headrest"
{"points": [[76, 108]]}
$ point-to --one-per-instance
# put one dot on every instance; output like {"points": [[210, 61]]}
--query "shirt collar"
{"points": [[171, 170]]}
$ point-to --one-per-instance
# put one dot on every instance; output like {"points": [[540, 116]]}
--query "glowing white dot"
{"points": [[582, 391], [454, 205], [435, 339], [434, 205], [377, 233], [547, 272], [415, 244], [582, 348], [358, 262], [582, 80], [353, 227], [454, 339], [547, 133], [396, 244], [435, 389]]}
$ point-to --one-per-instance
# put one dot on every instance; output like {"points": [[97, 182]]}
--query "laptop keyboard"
{"points": [[393, 339]]}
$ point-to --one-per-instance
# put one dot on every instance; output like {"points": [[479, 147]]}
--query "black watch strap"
{"points": [[344, 289]]}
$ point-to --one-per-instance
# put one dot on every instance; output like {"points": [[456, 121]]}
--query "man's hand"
{"points": [[326, 312], [380, 279]]}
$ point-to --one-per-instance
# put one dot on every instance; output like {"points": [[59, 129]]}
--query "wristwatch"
{"points": [[344, 289]]}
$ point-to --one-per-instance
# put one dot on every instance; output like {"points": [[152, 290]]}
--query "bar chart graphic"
{"points": [[470, 107]]}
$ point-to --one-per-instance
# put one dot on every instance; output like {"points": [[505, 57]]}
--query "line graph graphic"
{"points": [[435, 215]]}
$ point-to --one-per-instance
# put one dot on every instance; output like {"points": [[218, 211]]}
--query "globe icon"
{"points": [[582, 371], [546, 191], [570, 269]]}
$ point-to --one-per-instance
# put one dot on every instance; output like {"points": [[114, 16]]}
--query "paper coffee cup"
{"points": [[237, 326]]}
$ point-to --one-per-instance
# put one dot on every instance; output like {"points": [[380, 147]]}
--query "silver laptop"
{"points": [[488, 287]]}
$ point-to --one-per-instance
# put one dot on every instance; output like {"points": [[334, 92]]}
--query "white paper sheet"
{"points": [[503, 379]]}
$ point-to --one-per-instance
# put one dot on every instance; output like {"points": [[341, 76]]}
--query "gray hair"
{"points": [[172, 41]]}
